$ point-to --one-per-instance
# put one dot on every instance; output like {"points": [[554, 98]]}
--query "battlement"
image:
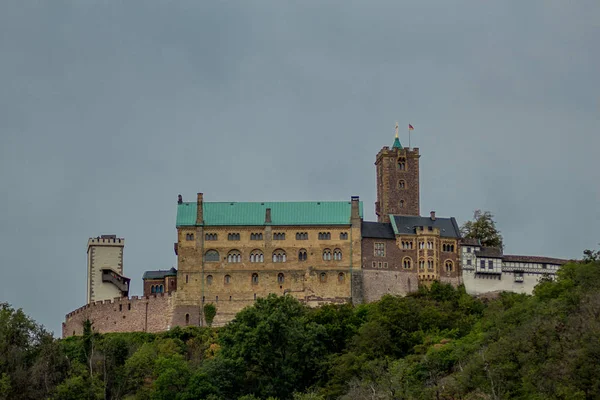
{"points": [[106, 240], [386, 151], [119, 301]]}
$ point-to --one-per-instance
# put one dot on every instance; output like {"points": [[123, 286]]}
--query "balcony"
{"points": [[121, 282]]}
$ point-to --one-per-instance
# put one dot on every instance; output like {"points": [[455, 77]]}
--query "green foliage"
{"points": [[210, 310], [483, 227]]}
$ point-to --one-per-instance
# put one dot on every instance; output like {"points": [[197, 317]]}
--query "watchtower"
{"points": [[397, 181], [105, 268]]}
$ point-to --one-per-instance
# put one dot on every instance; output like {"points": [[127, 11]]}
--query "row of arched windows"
{"points": [[402, 164], [407, 264], [280, 278], [189, 236], [448, 247], [259, 236], [279, 255], [157, 289]]}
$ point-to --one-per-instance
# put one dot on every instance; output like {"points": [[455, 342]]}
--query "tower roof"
{"points": [[396, 144]]}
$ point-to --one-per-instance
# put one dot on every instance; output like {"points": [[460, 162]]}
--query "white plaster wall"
{"points": [[104, 256], [506, 283]]}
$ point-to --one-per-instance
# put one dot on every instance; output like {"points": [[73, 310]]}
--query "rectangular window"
{"points": [[490, 264], [469, 261], [385, 265], [379, 250], [379, 264], [482, 263], [468, 249], [374, 264]]}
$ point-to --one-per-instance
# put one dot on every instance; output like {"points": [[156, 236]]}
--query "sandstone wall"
{"points": [[145, 314]]}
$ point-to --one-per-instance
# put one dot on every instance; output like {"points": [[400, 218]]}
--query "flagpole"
{"points": [[409, 138]]}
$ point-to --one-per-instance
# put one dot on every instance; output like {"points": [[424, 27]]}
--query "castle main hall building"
{"points": [[231, 253]]}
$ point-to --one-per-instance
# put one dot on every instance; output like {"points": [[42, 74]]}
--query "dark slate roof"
{"points": [[490, 252], [160, 274], [470, 242], [535, 259], [378, 230], [406, 225]]}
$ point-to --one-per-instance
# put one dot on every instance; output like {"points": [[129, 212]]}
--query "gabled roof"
{"points": [[470, 242], [282, 213], [377, 230], [159, 274], [407, 224], [490, 252]]}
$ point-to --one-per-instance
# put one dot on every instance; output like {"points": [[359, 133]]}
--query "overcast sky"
{"points": [[109, 109]]}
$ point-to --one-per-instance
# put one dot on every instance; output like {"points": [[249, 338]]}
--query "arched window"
{"points": [[449, 266], [161, 288], [323, 277], [343, 235], [234, 256], [187, 319], [153, 289], [326, 255], [401, 184], [211, 255], [407, 263], [256, 236], [341, 277], [280, 278], [189, 236], [255, 279], [279, 255], [401, 203], [301, 235], [209, 279], [302, 255], [430, 265], [402, 164], [279, 236], [257, 256], [422, 265], [227, 279], [210, 236], [337, 254], [324, 235]]}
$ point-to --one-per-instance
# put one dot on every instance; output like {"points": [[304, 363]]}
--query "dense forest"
{"points": [[438, 343]]}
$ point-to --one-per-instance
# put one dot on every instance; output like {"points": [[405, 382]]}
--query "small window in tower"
{"points": [[402, 184], [209, 280], [401, 203], [187, 319], [323, 277], [280, 278]]}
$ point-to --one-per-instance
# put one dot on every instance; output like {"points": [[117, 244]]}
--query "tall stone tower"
{"points": [[105, 268], [397, 181]]}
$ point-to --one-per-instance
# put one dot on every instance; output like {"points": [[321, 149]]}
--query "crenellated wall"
{"points": [[135, 314]]}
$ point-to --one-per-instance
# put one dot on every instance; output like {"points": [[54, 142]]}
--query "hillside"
{"points": [[439, 343]]}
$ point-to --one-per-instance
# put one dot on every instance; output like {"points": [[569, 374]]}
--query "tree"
{"points": [[210, 310], [483, 227], [275, 348]]}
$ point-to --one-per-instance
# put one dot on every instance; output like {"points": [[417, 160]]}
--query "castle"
{"points": [[231, 253]]}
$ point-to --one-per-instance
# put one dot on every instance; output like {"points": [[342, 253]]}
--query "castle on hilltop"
{"points": [[321, 252]]}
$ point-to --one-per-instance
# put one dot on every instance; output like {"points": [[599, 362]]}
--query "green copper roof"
{"points": [[282, 213], [396, 144]]}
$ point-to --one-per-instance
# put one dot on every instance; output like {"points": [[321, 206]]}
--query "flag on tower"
{"points": [[410, 127]]}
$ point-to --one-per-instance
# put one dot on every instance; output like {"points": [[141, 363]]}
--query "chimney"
{"points": [[179, 199], [354, 208], [268, 216], [200, 211], [432, 215]]}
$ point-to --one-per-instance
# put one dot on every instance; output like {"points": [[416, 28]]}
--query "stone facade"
{"points": [[231, 266], [382, 270], [146, 314], [397, 182]]}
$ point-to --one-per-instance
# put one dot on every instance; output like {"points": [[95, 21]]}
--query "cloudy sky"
{"points": [[109, 109]]}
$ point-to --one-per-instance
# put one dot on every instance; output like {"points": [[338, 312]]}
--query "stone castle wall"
{"points": [[145, 314]]}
